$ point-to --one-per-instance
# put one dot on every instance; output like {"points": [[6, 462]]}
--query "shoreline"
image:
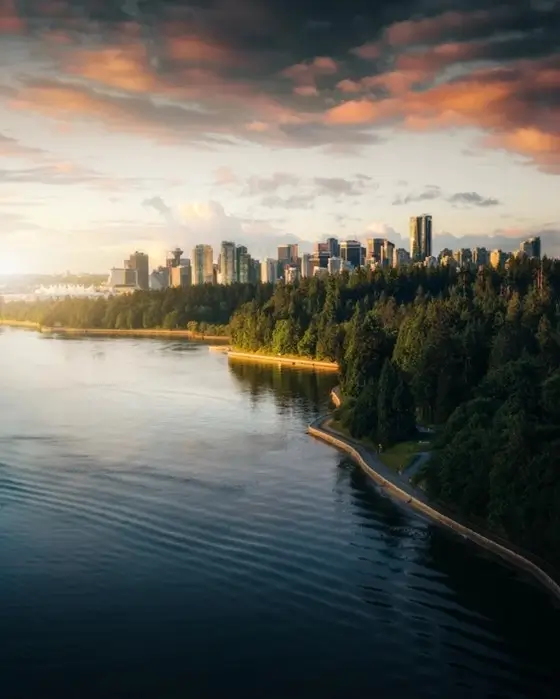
{"points": [[275, 359], [114, 332], [410, 495]]}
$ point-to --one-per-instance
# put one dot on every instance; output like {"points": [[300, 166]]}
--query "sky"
{"points": [[149, 125]]}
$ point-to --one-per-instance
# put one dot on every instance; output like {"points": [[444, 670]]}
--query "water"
{"points": [[167, 529]]}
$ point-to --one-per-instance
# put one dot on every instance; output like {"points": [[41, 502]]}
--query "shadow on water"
{"points": [[289, 387]]}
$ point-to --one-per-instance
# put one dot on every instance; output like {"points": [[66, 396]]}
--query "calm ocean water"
{"points": [[167, 529]]}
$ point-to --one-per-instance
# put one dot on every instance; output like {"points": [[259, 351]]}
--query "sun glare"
{"points": [[10, 265]]}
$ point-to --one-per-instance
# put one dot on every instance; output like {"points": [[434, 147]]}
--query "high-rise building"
{"points": [[333, 246], [480, 256], [420, 237], [227, 262], [159, 279], [498, 258], [239, 251], [351, 251], [288, 253], [387, 253], [139, 262], [255, 271], [243, 267], [181, 275], [374, 249], [269, 271], [401, 257], [531, 247], [307, 265], [463, 257], [202, 264]]}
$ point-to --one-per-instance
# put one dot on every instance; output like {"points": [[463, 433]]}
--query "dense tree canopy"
{"points": [[477, 354], [207, 308]]}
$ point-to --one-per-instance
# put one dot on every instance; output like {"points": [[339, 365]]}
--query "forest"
{"points": [[206, 308], [476, 355]]}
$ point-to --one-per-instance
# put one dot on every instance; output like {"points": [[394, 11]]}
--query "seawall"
{"points": [[113, 332], [291, 361], [415, 500]]}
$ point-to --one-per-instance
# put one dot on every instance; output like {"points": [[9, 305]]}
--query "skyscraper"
{"points": [[139, 262], [269, 271], [227, 262], [288, 253], [420, 237], [203, 265], [351, 251], [375, 249]]}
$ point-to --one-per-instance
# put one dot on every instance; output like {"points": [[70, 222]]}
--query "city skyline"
{"points": [[145, 127]]}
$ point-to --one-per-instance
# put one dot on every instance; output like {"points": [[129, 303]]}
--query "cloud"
{"points": [[160, 206], [472, 199], [430, 193], [263, 185], [12, 148], [296, 201], [224, 177]]}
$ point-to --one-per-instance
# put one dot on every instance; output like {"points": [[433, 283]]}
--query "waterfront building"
{"points": [[159, 279], [480, 256], [420, 234]]}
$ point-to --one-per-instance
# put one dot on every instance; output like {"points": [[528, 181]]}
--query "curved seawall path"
{"points": [[282, 359], [404, 492]]}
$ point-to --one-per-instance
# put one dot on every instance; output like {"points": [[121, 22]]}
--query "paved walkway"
{"points": [[401, 489], [386, 473]]}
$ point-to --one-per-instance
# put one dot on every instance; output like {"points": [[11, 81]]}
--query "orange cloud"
{"points": [[123, 67], [193, 49], [435, 59], [368, 51], [306, 74]]}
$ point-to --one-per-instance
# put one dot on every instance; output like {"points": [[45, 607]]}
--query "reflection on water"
{"points": [[169, 530]]}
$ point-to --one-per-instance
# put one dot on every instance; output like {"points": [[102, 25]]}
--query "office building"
{"points": [[139, 263], [181, 275], [333, 247], [227, 263], [351, 251], [269, 271], [288, 253], [420, 237], [202, 264], [531, 247]]}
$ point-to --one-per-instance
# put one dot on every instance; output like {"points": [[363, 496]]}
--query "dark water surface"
{"points": [[167, 529]]}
